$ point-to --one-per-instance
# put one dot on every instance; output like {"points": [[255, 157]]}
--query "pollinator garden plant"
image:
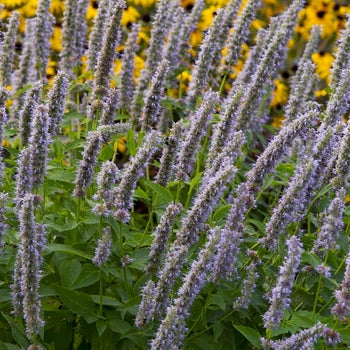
{"points": [[163, 206]]}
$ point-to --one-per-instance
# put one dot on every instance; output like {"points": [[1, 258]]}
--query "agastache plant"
{"points": [[152, 108], [240, 32], [188, 233], [305, 339], [106, 58], [331, 224], [127, 70], [39, 141], [172, 330], [161, 236], [55, 101], [125, 189], [279, 297], [160, 26], [26, 115], [103, 249], [342, 295], [199, 124], [96, 36], [44, 22], [7, 54]]}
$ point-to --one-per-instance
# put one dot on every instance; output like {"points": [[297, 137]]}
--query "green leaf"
{"points": [[62, 228], [221, 212], [69, 272], [5, 295], [108, 301], [62, 175], [17, 332], [79, 303], [218, 328], [54, 247], [164, 195], [7, 346], [344, 335], [101, 326], [218, 300], [250, 334], [119, 326], [140, 258], [88, 276]]}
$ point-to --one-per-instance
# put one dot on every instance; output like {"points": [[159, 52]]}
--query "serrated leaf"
{"points": [[54, 247], [221, 212], [7, 346], [218, 328], [5, 295], [79, 303], [62, 175], [17, 331], [250, 334], [62, 228], [88, 276], [69, 272], [218, 300], [101, 326], [108, 301], [164, 195], [140, 258], [120, 326], [344, 335]]}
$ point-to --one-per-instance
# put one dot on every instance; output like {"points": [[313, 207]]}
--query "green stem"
{"points": [[101, 294], [223, 84]]}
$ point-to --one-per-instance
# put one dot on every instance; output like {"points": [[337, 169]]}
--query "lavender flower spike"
{"points": [[146, 307], [188, 234], [3, 121], [199, 125], [105, 61], [110, 106], [160, 27], [241, 31], [31, 273], [204, 60], [343, 159], [172, 330], [342, 308], [331, 224], [25, 73], [305, 339], [161, 236], [26, 114], [96, 36], [152, 108], [44, 22], [39, 141], [103, 249], [341, 61], [55, 101], [170, 151], [106, 179], [127, 71], [125, 190], [69, 32], [24, 177], [280, 294], [86, 166], [7, 54], [249, 283], [190, 26]]}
